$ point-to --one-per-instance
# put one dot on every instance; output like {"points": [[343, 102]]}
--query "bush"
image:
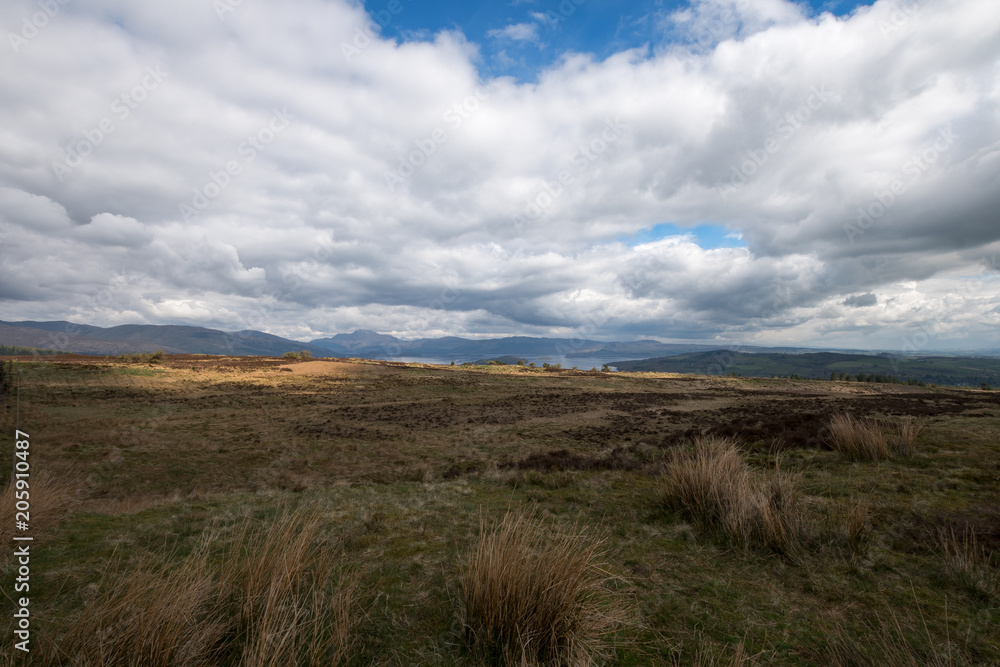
{"points": [[872, 439], [532, 596], [715, 487], [142, 357]]}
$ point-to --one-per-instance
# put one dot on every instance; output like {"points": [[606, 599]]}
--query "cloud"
{"points": [[853, 155], [518, 32], [861, 300], [109, 229]]}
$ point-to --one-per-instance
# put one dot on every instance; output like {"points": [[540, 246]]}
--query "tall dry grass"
{"points": [[715, 487], [532, 596], [51, 499], [891, 644], [872, 439], [277, 597], [969, 564]]}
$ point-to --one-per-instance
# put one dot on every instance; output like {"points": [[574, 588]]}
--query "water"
{"points": [[582, 363]]}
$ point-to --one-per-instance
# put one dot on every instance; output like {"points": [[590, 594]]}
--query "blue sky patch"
{"points": [[706, 236], [520, 38]]}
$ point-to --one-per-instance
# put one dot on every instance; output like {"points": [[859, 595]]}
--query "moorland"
{"points": [[209, 510]]}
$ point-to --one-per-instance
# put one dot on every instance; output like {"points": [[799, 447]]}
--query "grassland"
{"points": [[174, 486]]}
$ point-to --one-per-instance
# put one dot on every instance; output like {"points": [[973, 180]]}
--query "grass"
{"points": [[531, 595], [406, 476], [969, 564], [273, 597], [872, 439], [714, 486], [51, 499]]}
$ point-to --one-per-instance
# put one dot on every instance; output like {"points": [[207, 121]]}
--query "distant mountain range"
{"points": [[652, 355], [375, 345], [968, 371], [129, 338]]}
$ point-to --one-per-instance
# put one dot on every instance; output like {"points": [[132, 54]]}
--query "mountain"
{"points": [[128, 338], [370, 344], [359, 340], [967, 371]]}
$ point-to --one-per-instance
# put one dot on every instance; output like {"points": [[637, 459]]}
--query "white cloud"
{"points": [[518, 32], [305, 238]]}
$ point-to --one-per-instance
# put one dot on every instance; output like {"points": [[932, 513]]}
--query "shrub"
{"points": [[872, 439], [292, 355], [532, 596], [715, 487]]}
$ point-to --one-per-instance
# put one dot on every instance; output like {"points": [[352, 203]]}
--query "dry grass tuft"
{"points": [[533, 596], [968, 564], [890, 644], [51, 499], [275, 599], [872, 439], [714, 486], [857, 532]]}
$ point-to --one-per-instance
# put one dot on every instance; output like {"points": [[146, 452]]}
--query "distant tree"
{"points": [[605, 368], [291, 355], [453, 363], [532, 365], [546, 365], [305, 354], [520, 362], [986, 386]]}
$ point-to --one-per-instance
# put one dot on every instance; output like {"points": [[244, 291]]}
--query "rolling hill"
{"points": [[961, 371]]}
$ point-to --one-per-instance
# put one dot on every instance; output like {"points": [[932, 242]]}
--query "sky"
{"points": [[746, 172]]}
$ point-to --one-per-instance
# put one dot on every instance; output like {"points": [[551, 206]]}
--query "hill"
{"points": [[131, 338], [958, 371]]}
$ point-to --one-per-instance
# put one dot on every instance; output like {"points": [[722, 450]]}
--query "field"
{"points": [[171, 486]]}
